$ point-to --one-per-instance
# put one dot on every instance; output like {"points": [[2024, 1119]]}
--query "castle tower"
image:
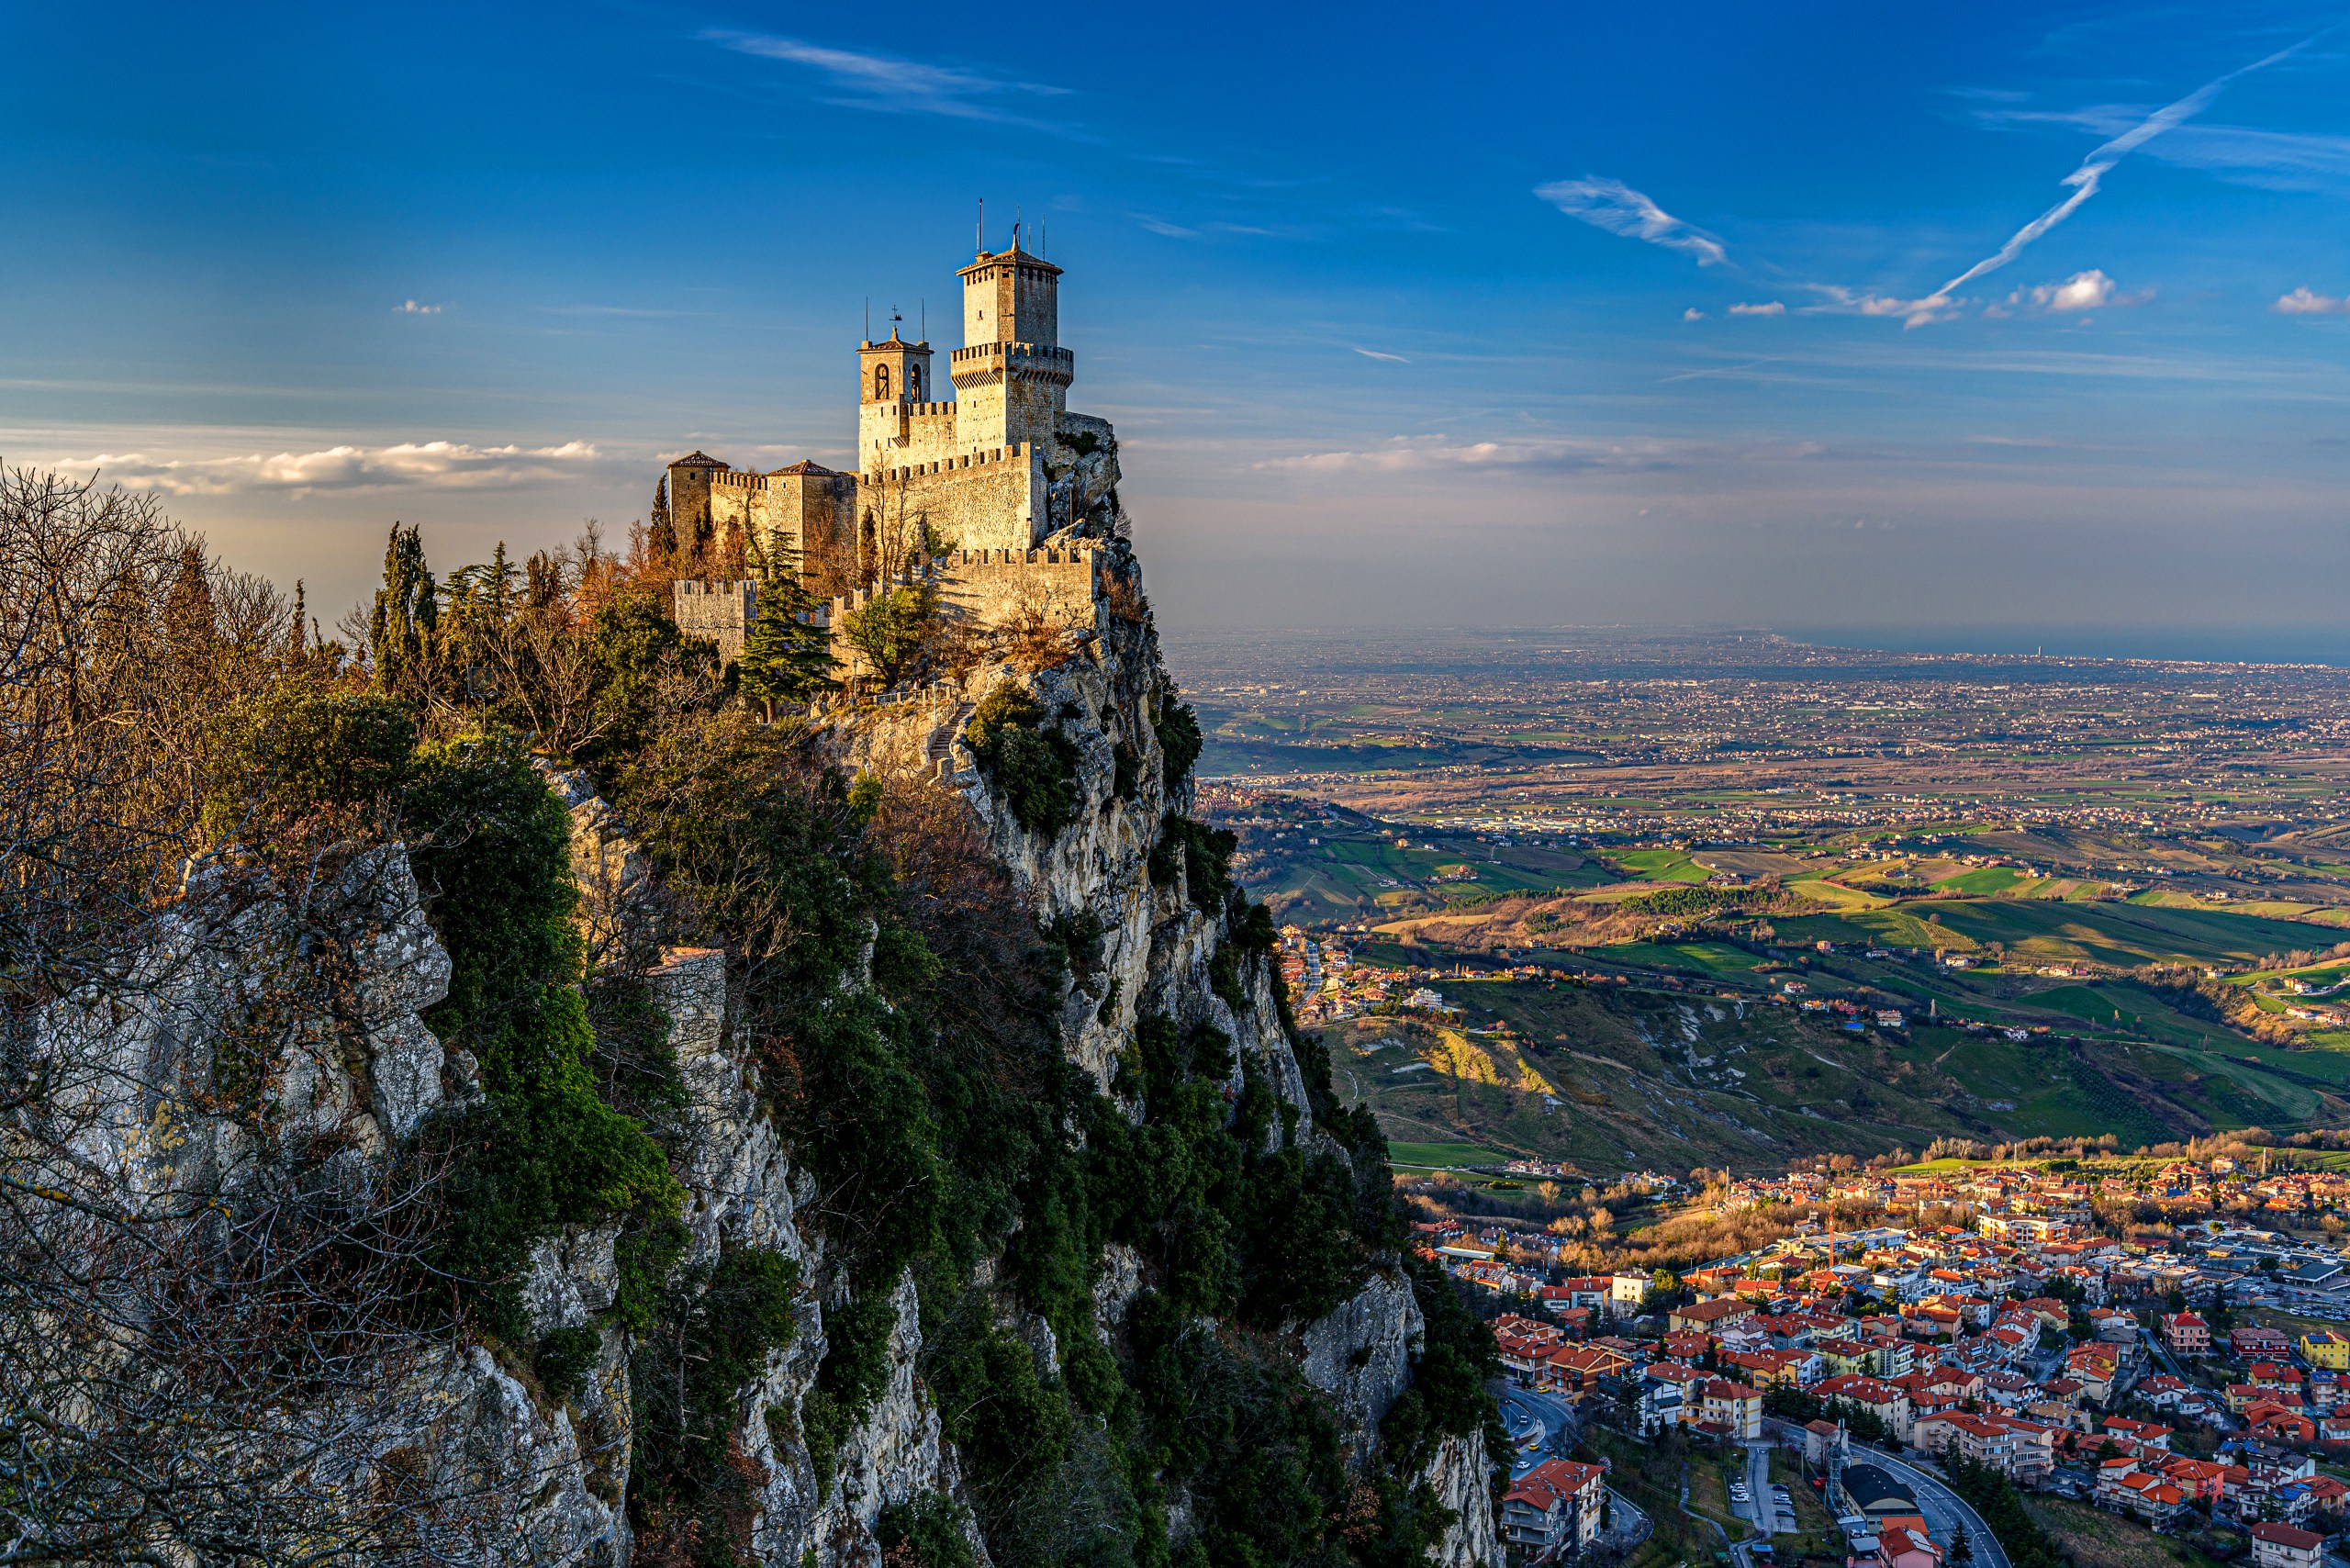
{"points": [[1011, 376], [894, 378]]}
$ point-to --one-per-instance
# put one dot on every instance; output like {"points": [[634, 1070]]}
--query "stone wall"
{"points": [[988, 500]]}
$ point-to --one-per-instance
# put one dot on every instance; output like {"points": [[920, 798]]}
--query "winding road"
{"points": [[1944, 1508]]}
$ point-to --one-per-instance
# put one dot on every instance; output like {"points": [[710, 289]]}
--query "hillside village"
{"points": [[2140, 1340]]}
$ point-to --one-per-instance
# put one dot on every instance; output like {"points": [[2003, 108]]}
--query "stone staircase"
{"points": [[937, 751]]}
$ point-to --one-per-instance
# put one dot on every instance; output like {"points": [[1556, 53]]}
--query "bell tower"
{"points": [[894, 375]]}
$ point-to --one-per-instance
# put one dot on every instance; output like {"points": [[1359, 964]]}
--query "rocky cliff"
{"points": [[800, 1174]]}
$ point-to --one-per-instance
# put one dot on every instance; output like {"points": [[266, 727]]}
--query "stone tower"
{"points": [[895, 392], [1011, 376]]}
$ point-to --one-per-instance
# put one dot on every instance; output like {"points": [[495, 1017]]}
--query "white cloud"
{"points": [[1391, 358], [1692, 314], [431, 465], [891, 86], [413, 308], [1616, 206], [1770, 307], [2305, 301], [2090, 290]]}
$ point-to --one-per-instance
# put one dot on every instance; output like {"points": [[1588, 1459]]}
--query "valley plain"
{"points": [[1727, 898]]}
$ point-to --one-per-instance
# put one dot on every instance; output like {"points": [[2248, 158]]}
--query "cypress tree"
{"points": [[786, 656], [660, 533]]}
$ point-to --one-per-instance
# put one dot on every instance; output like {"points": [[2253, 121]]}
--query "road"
{"points": [[1554, 1415], [1944, 1510]]}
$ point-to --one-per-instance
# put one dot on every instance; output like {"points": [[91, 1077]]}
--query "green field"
{"points": [[1660, 866], [1441, 1156], [1701, 957], [1986, 883]]}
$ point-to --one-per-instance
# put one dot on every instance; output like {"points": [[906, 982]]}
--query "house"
{"points": [[2256, 1343], [2326, 1348], [1898, 1546], [1733, 1406], [1819, 1440], [1627, 1294], [1669, 1395], [1785, 1369], [1708, 1317], [2186, 1334], [2094, 1366], [2113, 1326], [2282, 1546], [1555, 1506], [1887, 1402], [1952, 1433], [2145, 1434]]}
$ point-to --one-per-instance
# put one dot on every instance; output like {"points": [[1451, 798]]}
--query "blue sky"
{"points": [[1553, 315]]}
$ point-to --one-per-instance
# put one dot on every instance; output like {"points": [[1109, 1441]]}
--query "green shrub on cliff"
{"points": [[1034, 770]]}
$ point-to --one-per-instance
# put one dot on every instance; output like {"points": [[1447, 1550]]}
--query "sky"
{"points": [[1986, 327]]}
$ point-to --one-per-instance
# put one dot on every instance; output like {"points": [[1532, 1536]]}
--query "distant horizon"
{"points": [[2291, 647]]}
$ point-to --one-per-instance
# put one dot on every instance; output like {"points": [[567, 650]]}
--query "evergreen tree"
{"points": [[660, 533], [1962, 1550], [786, 656], [407, 612]]}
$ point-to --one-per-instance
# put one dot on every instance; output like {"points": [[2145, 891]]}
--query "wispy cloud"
{"points": [[1835, 299], [1616, 206], [2272, 160], [888, 84], [1692, 314], [1391, 358], [2084, 182], [1161, 227], [433, 464], [1768, 307], [412, 309], [1424, 454], [2305, 301]]}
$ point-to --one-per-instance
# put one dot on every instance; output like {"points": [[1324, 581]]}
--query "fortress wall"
{"points": [[997, 587], [900, 435], [719, 611], [977, 500]]}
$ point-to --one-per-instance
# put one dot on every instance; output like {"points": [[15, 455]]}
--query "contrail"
{"points": [[2094, 168]]}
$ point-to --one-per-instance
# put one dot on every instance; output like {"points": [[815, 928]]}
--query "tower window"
{"points": [[913, 381], [880, 381]]}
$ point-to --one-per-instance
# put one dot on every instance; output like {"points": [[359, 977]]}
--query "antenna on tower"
{"points": [[925, 319], [869, 318], [1015, 226], [980, 241]]}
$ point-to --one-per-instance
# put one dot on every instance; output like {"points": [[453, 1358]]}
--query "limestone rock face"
{"points": [[741, 1192], [1361, 1356], [1458, 1475], [313, 1005]]}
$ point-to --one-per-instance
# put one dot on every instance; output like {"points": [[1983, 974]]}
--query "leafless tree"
{"points": [[209, 1350]]}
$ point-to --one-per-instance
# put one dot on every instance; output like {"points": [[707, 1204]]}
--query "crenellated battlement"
{"points": [[1017, 453], [1018, 359]]}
